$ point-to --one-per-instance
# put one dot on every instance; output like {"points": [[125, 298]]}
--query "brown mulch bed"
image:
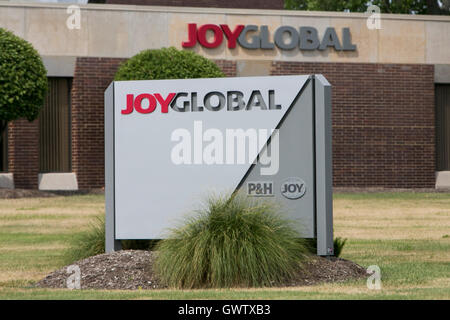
{"points": [[125, 269], [34, 193], [319, 270], [132, 269], [24, 193]]}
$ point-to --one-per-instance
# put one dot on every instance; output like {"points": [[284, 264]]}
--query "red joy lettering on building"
{"points": [[199, 35]]}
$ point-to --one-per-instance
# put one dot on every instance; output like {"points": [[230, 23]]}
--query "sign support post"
{"points": [[324, 166], [111, 244]]}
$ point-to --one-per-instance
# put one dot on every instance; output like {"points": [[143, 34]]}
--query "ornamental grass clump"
{"points": [[87, 243], [231, 242]]}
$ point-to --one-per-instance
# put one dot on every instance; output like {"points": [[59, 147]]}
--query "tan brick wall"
{"points": [[122, 31], [246, 4]]}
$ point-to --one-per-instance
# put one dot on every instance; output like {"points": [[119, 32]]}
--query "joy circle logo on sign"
{"points": [[293, 188]]}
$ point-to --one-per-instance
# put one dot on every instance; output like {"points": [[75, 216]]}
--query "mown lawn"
{"points": [[406, 234]]}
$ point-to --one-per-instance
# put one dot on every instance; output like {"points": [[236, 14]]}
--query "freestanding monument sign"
{"points": [[169, 143]]}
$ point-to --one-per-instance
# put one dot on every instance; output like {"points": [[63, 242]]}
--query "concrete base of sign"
{"points": [[443, 180], [58, 181], [6, 181]]}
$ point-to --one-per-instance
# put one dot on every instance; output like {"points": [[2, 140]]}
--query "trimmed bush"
{"points": [[231, 242], [23, 78], [167, 63], [87, 243]]}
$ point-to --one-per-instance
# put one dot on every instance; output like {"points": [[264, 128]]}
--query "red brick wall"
{"points": [[249, 4], [228, 67], [91, 78], [383, 122], [23, 153]]}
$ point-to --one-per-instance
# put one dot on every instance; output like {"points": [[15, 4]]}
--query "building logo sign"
{"points": [[170, 143], [232, 100], [258, 37]]}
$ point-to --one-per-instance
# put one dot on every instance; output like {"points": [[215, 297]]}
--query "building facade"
{"points": [[391, 83]]}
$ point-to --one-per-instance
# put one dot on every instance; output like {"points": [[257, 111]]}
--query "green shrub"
{"points": [[339, 244], [231, 242], [167, 63], [23, 78], [87, 243]]}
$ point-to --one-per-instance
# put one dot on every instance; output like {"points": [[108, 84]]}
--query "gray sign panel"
{"points": [[170, 143]]}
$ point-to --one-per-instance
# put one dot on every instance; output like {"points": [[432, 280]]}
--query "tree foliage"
{"points": [[326, 5], [23, 78], [386, 6]]}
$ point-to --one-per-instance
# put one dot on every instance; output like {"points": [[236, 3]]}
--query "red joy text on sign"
{"points": [[199, 35]]}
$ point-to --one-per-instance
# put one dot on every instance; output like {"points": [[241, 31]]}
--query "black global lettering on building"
{"points": [[288, 38], [253, 37]]}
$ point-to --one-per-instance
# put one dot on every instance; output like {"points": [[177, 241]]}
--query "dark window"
{"points": [[443, 127], [3, 148], [54, 128]]}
